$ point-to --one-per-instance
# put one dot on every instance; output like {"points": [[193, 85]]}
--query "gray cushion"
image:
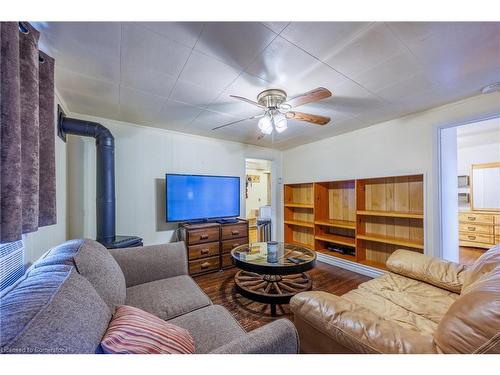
{"points": [[52, 310], [94, 262], [210, 327], [168, 298]]}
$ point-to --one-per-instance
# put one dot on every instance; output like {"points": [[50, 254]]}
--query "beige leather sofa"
{"points": [[422, 305]]}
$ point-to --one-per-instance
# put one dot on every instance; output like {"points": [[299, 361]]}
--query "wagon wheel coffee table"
{"points": [[272, 272]]}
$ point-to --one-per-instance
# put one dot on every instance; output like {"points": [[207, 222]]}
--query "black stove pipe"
{"points": [[105, 178]]}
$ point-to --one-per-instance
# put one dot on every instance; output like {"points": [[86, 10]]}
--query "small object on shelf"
{"points": [[295, 260], [463, 181], [341, 249]]}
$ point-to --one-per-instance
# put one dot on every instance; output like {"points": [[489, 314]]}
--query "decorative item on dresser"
{"points": [[479, 229], [362, 221], [209, 245]]}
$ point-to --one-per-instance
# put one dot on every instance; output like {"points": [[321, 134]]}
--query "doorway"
{"points": [[258, 198], [468, 227]]}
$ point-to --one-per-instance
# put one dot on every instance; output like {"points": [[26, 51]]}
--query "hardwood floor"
{"points": [[468, 255], [219, 287]]}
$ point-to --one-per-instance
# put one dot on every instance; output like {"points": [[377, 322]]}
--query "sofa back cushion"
{"points": [[435, 271], [472, 324], [483, 265], [53, 309], [94, 262]]}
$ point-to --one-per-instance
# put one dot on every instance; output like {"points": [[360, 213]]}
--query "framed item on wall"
{"points": [[463, 198], [463, 181]]}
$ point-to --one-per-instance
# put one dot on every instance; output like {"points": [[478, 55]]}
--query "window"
{"points": [[11, 263]]}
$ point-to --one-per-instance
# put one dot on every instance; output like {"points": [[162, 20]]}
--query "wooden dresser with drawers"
{"points": [[209, 245], [479, 228]]}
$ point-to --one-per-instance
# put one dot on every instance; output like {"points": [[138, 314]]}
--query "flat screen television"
{"points": [[197, 197]]}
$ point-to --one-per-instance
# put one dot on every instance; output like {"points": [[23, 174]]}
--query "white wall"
{"points": [[477, 143], [142, 157], [257, 191], [401, 146], [37, 243]]}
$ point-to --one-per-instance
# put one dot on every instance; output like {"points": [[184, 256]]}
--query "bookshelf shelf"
{"points": [[373, 216]]}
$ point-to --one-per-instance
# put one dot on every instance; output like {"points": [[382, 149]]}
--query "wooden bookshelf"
{"points": [[299, 214], [373, 216]]}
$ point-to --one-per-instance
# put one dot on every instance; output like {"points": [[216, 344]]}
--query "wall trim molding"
{"points": [[351, 266]]}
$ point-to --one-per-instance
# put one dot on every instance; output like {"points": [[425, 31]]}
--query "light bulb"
{"points": [[266, 125], [280, 123]]}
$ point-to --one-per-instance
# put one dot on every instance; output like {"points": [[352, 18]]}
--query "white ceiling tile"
{"points": [[176, 116], [85, 85], [186, 33], [235, 43], [277, 27], [245, 85], [408, 88], [369, 48], [287, 67], [323, 39], [90, 48], [139, 106], [90, 104], [192, 94], [208, 120], [205, 71], [143, 47], [141, 77], [396, 68]]}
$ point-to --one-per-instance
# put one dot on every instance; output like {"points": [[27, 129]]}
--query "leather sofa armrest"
{"points": [[278, 337], [441, 273], [359, 330], [150, 263]]}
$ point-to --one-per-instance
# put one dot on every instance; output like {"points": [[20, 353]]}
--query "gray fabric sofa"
{"points": [[65, 301]]}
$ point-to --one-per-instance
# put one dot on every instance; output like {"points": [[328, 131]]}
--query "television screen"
{"points": [[192, 197]]}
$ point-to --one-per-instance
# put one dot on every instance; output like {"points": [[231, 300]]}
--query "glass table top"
{"points": [[271, 254]]}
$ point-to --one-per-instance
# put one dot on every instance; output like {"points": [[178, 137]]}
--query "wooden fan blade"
{"points": [[235, 122], [309, 97], [248, 101], [314, 119]]}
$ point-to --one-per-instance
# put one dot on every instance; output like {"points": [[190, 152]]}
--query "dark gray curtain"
{"points": [[27, 157]]}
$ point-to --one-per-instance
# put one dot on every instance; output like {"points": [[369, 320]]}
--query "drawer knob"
{"points": [[471, 218], [471, 237], [205, 265], [203, 236], [472, 229], [235, 232], [205, 251]]}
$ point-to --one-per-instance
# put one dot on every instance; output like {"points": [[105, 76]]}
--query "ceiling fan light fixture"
{"points": [[266, 125], [280, 122]]}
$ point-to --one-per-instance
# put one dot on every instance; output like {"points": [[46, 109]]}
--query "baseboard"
{"points": [[351, 266]]}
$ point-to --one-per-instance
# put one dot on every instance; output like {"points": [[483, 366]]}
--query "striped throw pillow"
{"points": [[134, 331]]}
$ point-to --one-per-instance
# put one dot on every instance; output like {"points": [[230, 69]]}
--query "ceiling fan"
{"points": [[278, 108]]}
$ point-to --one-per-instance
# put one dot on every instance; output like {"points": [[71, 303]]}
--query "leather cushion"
{"points": [[484, 264], [472, 324]]}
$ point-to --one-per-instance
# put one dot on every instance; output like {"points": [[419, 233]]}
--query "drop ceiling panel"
{"points": [[143, 47], [179, 76], [206, 71], [235, 43]]}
